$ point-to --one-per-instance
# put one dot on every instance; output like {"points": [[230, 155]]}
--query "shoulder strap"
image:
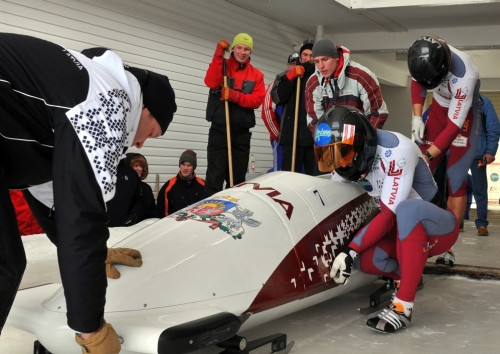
{"points": [[171, 183], [200, 181]]}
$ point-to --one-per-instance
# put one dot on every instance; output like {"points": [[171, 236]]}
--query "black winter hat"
{"points": [[188, 156], [157, 95], [325, 48], [307, 44]]}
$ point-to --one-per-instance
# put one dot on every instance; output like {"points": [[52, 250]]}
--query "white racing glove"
{"points": [[342, 267], [417, 128]]}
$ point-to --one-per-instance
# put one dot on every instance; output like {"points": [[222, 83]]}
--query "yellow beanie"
{"points": [[243, 38]]}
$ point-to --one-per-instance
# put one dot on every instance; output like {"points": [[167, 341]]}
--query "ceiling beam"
{"points": [[378, 4], [479, 37]]}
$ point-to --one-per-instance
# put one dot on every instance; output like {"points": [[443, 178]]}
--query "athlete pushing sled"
{"points": [[412, 224]]}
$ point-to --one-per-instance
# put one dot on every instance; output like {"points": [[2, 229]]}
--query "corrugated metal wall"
{"points": [[173, 37]]}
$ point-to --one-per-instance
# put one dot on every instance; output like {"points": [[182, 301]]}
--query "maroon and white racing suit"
{"points": [[454, 120], [410, 226]]}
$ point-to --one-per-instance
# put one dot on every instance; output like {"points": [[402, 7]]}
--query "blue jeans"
{"points": [[480, 191]]}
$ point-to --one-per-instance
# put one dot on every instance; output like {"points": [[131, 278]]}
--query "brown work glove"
{"points": [[104, 341], [125, 256]]}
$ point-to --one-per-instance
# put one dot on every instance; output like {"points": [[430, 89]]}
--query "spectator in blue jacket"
{"points": [[487, 146]]}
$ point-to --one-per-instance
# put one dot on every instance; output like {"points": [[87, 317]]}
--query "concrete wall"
{"points": [[399, 103]]}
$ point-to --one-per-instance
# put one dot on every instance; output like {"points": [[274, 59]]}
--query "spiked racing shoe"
{"points": [[391, 319], [446, 259]]}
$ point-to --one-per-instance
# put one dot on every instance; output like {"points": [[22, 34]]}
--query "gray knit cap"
{"points": [[188, 156], [325, 48]]}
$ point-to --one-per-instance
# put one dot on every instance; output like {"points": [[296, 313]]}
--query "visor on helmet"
{"points": [[336, 155]]}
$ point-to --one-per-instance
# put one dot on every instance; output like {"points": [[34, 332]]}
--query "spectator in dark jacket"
{"points": [[127, 191], [271, 116], [140, 165], [134, 200], [182, 190], [284, 93]]}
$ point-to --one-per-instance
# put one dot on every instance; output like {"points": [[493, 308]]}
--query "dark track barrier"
{"points": [[474, 272]]}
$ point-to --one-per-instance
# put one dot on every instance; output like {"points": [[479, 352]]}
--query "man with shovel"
{"points": [[288, 91], [236, 90]]}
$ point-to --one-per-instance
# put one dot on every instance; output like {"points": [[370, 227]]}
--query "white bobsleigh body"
{"points": [[246, 255]]}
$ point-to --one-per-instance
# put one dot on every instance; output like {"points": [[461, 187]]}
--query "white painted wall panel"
{"points": [[173, 37]]}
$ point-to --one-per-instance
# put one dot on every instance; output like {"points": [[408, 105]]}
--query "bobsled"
{"points": [[244, 256]]}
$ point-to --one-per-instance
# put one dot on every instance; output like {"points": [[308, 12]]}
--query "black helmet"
{"points": [[293, 58], [345, 141], [429, 61]]}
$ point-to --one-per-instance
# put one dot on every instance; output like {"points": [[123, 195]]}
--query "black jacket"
{"points": [[284, 93], [65, 118], [180, 193], [126, 206]]}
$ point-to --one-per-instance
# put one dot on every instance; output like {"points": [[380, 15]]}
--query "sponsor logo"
{"points": [[73, 59], [494, 177], [460, 141], [465, 127], [323, 134], [376, 162], [460, 96], [392, 168], [394, 190], [428, 246]]}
